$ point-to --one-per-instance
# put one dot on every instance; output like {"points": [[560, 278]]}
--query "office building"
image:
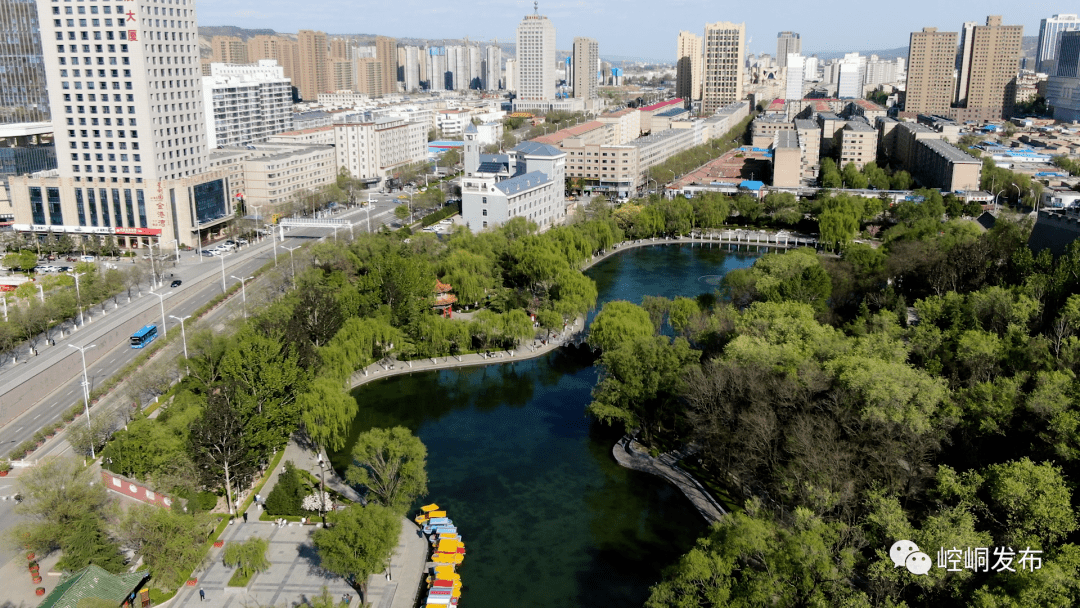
{"points": [[23, 96], [132, 149], [535, 64], [1050, 31], [229, 49], [312, 75], [386, 54], [492, 68], [990, 61], [787, 43], [246, 103], [795, 71], [586, 56], [1063, 87], [528, 182], [722, 80], [688, 67], [931, 60]]}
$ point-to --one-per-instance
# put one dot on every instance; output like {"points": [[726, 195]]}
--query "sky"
{"points": [[635, 28]]}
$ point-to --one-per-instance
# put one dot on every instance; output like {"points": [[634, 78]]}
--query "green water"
{"points": [[549, 518]]}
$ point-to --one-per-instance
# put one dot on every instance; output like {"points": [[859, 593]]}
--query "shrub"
{"points": [[287, 496]]}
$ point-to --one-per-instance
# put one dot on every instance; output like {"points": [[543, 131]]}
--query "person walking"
{"points": [[202, 595], [245, 517]]}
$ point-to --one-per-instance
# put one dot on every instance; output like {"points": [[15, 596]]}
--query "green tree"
{"points": [[219, 448], [56, 495], [617, 322], [391, 463], [170, 543], [401, 212], [1031, 503], [357, 541], [87, 543], [287, 495], [248, 557]]}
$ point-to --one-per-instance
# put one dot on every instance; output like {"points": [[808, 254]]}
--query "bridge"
{"points": [[307, 222]]}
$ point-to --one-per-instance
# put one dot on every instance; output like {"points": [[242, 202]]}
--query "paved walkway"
{"points": [[633, 455], [529, 351], [18, 589]]}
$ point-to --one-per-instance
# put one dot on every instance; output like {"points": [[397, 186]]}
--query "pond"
{"points": [[549, 517]]}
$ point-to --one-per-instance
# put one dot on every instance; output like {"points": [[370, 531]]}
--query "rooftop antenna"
{"points": [[536, 7]]}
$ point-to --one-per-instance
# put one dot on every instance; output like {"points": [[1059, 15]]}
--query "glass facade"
{"points": [[79, 206], [56, 216], [36, 206], [142, 208], [93, 207], [23, 97]]}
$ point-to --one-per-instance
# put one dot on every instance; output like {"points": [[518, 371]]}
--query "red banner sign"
{"points": [[138, 231]]}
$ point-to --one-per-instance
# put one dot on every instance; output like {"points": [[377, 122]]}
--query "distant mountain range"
{"points": [[1027, 51]]}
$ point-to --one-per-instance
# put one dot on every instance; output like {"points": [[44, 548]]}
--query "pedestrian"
{"points": [[245, 517], [348, 598], [202, 595]]}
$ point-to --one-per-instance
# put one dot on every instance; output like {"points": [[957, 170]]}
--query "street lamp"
{"points": [[86, 393], [292, 262], [221, 256], [78, 295], [996, 198], [243, 290], [183, 334], [176, 245], [161, 301], [1019, 195]]}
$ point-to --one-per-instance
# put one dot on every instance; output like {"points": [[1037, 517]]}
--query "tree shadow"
{"points": [[308, 553]]}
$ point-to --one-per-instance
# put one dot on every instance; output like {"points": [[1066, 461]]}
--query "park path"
{"points": [[632, 455]]}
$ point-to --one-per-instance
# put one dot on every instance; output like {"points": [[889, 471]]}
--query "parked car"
{"points": [[175, 283], [241, 241], [87, 258], [208, 253]]}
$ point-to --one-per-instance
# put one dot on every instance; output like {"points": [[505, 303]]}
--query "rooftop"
{"points": [[787, 139], [805, 124], [659, 136], [567, 133], [307, 131], [858, 125], [526, 181], [950, 152], [662, 104], [672, 112], [533, 148], [96, 583]]}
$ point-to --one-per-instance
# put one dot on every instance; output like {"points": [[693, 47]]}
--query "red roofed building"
{"points": [[648, 112]]}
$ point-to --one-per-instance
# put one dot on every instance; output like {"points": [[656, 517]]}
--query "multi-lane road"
{"points": [[36, 392]]}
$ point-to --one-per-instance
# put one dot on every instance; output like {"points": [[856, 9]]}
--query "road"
{"points": [[36, 391]]}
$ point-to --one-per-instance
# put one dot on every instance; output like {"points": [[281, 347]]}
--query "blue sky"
{"points": [[635, 28]]}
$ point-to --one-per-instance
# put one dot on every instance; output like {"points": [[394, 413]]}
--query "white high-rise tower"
{"points": [[535, 58]]}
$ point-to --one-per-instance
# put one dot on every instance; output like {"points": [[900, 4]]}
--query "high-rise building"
{"points": [[476, 74], [511, 75], [342, 75], [131, 140], [688, 64], [722, 81], [229, 49], [990, 57], [1063, 87], [436, 76], [851, 76], [386, 53], [369, 77], [963, 58], [313, 75], [412, 69], [931, 57], [1049, 33], [586, 54], [492, 68], [23, 97], [787, 43], [810, 68], [535, 59], [340, 48], [246, 103], [795, 67]]}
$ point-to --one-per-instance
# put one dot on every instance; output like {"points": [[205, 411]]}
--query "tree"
{"points": [[1031, 503], [219, 448], [87, 543], [617, 322], [357, 542], [391, 463], [248, 557], [401, 212], [287, 494], [171, 543], [56, 495]]}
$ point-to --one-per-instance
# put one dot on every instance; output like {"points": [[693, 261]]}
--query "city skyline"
{"points": [[621, 32]]}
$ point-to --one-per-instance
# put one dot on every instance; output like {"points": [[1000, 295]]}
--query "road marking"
{"points": [[36, 417]]}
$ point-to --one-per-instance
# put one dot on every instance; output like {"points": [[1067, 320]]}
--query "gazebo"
{"points": [[444, 300]]}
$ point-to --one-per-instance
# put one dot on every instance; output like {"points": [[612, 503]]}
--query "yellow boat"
{"points": [[449, 546], [429, 508], [446, 572], [434, 514]]}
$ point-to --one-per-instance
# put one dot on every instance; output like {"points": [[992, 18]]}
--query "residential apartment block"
{"points": [[586, 59], [722, 79], [246, 103], [373, 149], [931, 61], [989, 63], [688, 66]]}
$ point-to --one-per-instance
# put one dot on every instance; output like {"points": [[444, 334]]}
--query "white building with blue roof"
{"points": [[529, 182]]}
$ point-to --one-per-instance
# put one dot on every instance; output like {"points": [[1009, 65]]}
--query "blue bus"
{"points": [[144, 336]]}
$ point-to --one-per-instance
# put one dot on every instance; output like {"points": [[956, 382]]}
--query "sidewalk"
{"points": [[18, 586]]}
